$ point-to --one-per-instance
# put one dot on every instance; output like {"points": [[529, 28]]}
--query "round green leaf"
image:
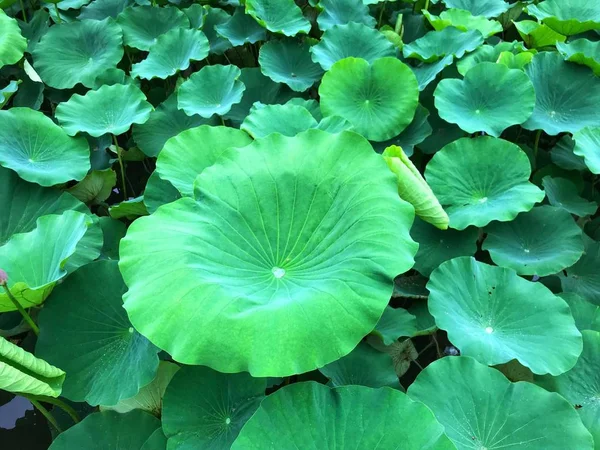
{"points": [[567, 95], [313, 416], [101, 9], [378, 99], [580, 384], [437, 44], [352, 39], [472, 181], [142, 25], [40, 151], [241, 28], [85, 330], [278, 16], [172, 52], [363, 366], [207, 409], [263, 236], [482, 409], [35, 261], [488, 53], [110, 109], [288, 120], [537, 35], [212, 90], [12, 43], [464, 21], [71, 53], [491, 98], [495, 316], [583, 277], [437, 246], [586, 314], [186, 155], [540, 242], [582, 51], [341, 12], [109, 430], [562, 193], [567, 17], [485, 8], [587, 145], [289, 62]]}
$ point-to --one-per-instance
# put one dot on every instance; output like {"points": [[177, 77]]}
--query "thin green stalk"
{"points": [[20, 308], [123, 183], [23, 11], [381, 14], [46, 414], [536, 146], [426, 7], [58, 19], [62, 405]]}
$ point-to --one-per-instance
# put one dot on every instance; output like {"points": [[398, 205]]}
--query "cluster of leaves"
{"points": [[280, 224]]}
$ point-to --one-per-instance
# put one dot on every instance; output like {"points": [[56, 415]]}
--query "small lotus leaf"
{"points": [[100, 10], [485, 8], [278, 16], [241, 28], [288, 120], [538, 35], [489, 53], [437, 44], [215, 17], [341, 12], [587, 145], [464, 21]]}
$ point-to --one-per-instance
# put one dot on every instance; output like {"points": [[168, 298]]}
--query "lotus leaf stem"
{"points": [[20, 308], [46, 414], [119, 157]]}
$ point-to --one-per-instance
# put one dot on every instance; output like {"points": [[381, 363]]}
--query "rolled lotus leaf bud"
{"points": [[413, 188], [3, 278]]}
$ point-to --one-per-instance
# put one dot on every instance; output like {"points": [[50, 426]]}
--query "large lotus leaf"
{"points": [[288, 62], [341, 12], [414, 189], [352, 39], [212, 90], [23, 373], [40, 151], [538, 35], [437, 246], [493, 315], [363, 366], [437, 44], [567, 95], [472, 181], [200, 148], [207, 409], [35, 261], [485, 8], [488, 53], [490, 98], [142, 25], [482, 409], [172, 52], [464, 21], [85, 330], [582, 51], [580, 384], [271, 245], [583, 277], [288, 120], [164, 122], [110, 109], [586, 314], [23, 203], [540, 242], [109, 430], [587, 145], [71, 53], [567, 17], [12, 43], [378, 99], [312, 416], [563, 193], [241, 28], [159, 192], [278, 16]]}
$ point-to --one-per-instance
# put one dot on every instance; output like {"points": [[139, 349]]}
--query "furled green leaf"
{"points": [[12, 43], [495, 316], [278, 16], [289, 236], [7, 92]]}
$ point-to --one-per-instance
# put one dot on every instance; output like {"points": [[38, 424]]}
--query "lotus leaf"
{"points": [[288, 120], [537, 35], [278, 16], [378, 99], [206, 409], [212, 90], [418, 130], [491, 98], [341, 12], [563, 194], [587, 145], [489, 53], [110, 109], [95, 187], [12, 43], [586, 314], [143, 25], [101, 9], [40, 151], [313, 416], [289, 62], [471, 180], [394, 324], [275, 252], [582, 51], [241, 28], [22, 372], [159, 192], [426, 73], [495, 316], [172, 52], [437, 44], [567, 17], [72, 53], [464, 21], [213, 18], [483, 409], [583, 277], [351, 40], [540, 242], [485, 8]]}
